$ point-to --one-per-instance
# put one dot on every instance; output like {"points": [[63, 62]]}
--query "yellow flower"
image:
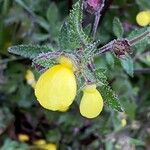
{"points": [[56, 87], [91, 103], [143, 18], [49, 146], [30, 78], [23, 137], [123, 122], [148, 57], [39, 142]]}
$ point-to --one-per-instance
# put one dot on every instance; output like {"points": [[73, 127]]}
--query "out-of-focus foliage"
{"points": [[11, 145], [39, 22]]}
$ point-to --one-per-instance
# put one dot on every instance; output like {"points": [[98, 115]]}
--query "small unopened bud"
{"points": [[121, 47], [93, 6]]}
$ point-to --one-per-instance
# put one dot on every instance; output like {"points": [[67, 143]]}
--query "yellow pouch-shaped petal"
{"points": [[91, 103], [56, 88]]}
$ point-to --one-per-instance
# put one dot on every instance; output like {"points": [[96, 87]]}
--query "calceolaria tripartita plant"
{"points": [[70, 69]]}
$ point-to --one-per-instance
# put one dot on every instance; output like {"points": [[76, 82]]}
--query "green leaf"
{"points": [[39, 20], [107, 93], [43, 23], [143, 4], [142, 43], [22, 4], [127, 64], [145, 58], [40, 37], [136, 142], [53, 135], [129, 106], [72, 35], [47, 59], [110, 59], [117, 28], [28, 51], [14, 145], [5, 7], [110, 98], [109, 145], [52, 14], [5, 119]]}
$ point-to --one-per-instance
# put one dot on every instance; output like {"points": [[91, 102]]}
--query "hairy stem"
{"points": [[97, 18], [110, 45], [95, 25], [105, 48]]}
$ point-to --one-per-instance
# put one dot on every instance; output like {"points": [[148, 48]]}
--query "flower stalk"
{"points": [[121, 46]]}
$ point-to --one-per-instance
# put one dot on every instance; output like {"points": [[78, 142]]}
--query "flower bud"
{"points": [[93, 5], [23, 137], [30, 78], [91, 103]]}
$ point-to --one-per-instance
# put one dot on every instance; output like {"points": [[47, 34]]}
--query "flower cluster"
{"points": [[42, 144], [143, 18], [56, 90], [39, 144]]}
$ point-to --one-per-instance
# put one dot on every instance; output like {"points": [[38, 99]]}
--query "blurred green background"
{"points": [[39, 22]]}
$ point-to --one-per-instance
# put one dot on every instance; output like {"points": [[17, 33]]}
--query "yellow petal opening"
{"points": [[90, 88], [65, 61]]}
